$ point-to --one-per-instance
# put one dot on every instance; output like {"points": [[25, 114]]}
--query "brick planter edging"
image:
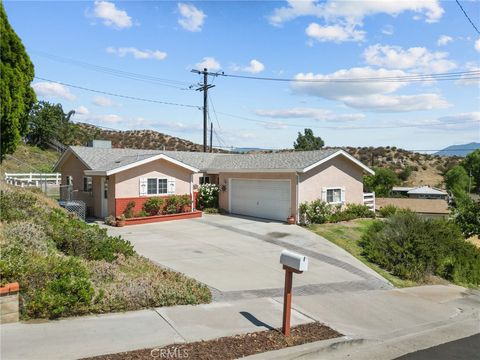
{"points": [[158, 218], [9, 289], [9, 303]]}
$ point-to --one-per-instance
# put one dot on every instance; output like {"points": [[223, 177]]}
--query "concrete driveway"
{"points": [[238, 257]]}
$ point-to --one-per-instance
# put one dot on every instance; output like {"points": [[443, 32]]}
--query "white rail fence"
{"points": [[33, 179], [369, 200]]}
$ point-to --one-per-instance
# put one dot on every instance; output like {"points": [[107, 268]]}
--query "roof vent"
{"points": [[100, 144]]}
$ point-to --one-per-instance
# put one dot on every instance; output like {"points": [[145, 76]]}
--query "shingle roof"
{"points": [[427, 190], [100, 159]]}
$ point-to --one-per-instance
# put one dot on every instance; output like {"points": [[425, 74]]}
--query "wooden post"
{"points": [[287, 301]]}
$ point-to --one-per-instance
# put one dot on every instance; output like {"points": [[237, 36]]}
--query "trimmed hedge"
{"points": [[319, 212]]}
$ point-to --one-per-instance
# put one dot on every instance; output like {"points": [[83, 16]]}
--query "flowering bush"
{"points": [[315, 212], [208, 196]]}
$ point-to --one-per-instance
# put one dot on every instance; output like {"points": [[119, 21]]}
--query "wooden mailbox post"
{"points": [[292, 263]]}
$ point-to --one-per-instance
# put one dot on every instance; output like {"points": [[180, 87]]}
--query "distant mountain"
{"points": [[459, 150]]}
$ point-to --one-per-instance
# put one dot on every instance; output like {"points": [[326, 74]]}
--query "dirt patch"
{"points": [[475, 240], [232, 347]]}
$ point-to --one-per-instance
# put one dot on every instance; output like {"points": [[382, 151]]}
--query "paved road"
{"points": [[463, 349], [239, 257]]}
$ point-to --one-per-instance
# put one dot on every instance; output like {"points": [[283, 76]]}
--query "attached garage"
{"points": [[269, 199]]}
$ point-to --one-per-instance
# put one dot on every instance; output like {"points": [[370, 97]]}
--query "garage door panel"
{"points": [[268, 199]]}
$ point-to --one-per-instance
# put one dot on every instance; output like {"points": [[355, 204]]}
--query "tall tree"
{"points": [[456, 180], [382, 182], [472, 166], [47, 122], [308, 141], [16, 95]]}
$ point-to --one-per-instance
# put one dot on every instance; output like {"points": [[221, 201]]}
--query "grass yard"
{"points": [[27, 159], [346, 235]]}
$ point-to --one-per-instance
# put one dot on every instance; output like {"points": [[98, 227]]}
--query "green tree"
{"points": [[467, 216], [16, 95], [472, 165], [308, 141], [456, 180], [48, 121], [382, 182]]}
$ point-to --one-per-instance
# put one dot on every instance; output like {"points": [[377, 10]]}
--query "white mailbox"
{"points": [[294, 260]]}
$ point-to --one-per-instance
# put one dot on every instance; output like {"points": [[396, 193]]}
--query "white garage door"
{"points": [[261, 198]]}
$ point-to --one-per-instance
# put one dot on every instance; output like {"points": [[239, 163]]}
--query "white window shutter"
{"points": [[324, 194], [342, 195], [171, 186], [143, 186]]}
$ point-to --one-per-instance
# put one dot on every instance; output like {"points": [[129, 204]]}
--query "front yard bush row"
{"points": [[66, 267], [413, 248], [173, 204], [319, 212]]}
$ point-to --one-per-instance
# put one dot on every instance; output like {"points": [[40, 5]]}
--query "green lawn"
{"points": [[347, 235]]}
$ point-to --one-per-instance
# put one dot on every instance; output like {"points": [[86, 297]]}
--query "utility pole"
{"points": [[204, 87], [211, 136]]}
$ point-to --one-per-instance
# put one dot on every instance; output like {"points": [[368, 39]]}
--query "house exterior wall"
{"points": [[224, 177], [126, 184], [73, 167], [337, 172]]}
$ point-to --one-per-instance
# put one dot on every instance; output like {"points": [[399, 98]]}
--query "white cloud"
{"points": [[477, 45], [335, 33], [461, 121], [415, 58], [308, 113], [366, 95], [102, 101], [138, 54], [53, 89], [354, 11], [388, 30], [254, 67], [342, 17], [444, 40], [192, 18], [397, 103], [469, 117], [466, 79], [111, 16], [209, 63], [82, 110]]}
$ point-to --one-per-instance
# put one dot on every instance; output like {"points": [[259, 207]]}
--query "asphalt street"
{"points": [[463, 349]]}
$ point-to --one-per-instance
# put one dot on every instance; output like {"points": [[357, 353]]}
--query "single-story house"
{"points": [[431, 208], [265, 185], [420, 192]]}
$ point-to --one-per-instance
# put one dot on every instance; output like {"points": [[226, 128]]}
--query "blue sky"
{"points": [[305, 40]]}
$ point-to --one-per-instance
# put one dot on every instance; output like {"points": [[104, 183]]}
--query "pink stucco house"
{"points": [[270, 185]]}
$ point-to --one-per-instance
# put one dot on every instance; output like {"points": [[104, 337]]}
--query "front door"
{"points": [[104, 196]]}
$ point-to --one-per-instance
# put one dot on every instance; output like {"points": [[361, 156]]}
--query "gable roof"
{"points": [[426, 190], [109, 161]]}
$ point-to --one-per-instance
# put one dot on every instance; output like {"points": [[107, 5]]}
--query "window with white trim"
{"points": [[334, 196], [156, 186], [204, 180], [87, 184]]}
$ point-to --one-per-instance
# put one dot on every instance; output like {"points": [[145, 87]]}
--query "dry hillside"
{"points": [[136, 139]]}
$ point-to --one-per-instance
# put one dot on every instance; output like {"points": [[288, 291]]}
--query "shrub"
{"points": [[211, 211], [172, 204], [315, 212], [77, 238], [19, 205], [142, 213], [21, 235], [351, 211], [128, 212], [110, 220], [389, 210], [153, 205], [208, 196], [467, 216], [412, 247], [405, 173]]}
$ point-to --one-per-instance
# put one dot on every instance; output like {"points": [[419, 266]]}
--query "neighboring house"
{"points": [[270, 185], [432, 208], [421, 192]]}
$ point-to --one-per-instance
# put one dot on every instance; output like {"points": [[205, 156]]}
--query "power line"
{"points": [[464, 75], [119, 95], [468, 17], [282, 124], [116, 72]]}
